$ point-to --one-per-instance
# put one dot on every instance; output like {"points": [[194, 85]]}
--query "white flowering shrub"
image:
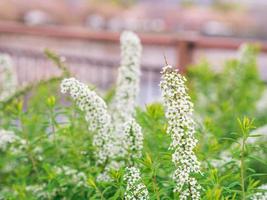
{"points": [[6, 138], [74, 176], [127, 86], [181, 127], [9, 141], [133, 140], [127, 90], [262, 194], [125, 140], [96, 115], [135, 189], [81, 146], [8, 77]]}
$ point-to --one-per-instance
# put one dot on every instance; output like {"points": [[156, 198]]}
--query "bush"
{"points": [[47, 151]]}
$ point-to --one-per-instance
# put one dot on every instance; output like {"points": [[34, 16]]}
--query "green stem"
{"points": [[155, 187], [100, 193], [53, 123], [29, 151], [242, 168]]}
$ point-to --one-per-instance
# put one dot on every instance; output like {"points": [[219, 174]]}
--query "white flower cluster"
{"points": [[96, 115], [104, 176], [181, 128], [247, 54], [118, 139], [127, 86], [39, 192], [224, 158], [130, 148], [127, 89], [8, 78], [261, 105], [260, 195], [112, 165], [73, 176], [133, 140], [70, 176], [6, 192], [135, 189], [262, 131], [6, 138]]}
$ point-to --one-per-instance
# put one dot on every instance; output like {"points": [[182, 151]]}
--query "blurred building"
{"points": [[96, 60], [210, 17]]}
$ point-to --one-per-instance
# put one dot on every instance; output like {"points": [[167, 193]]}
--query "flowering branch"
{"points": [[8, 77], [133, 140], [181, 128], [135, 189], [96, 115], [123, 105], [127, 86]]}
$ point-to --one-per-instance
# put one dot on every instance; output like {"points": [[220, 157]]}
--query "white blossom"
{"points": [[123, 105], [96, 115], [181, 128], [135, 189], [261, 195], [127, 86], [38, 191], [104, 176], [131, 148], [223, 158], [247, 54], [73, 176], [261, 105], [70, 178], [8, 77], [262, 135], [6, 138], [133, 139]]}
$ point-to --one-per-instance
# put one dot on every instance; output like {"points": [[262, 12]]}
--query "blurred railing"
{"points": [[100, 71], [32, 66], [184, 44]]}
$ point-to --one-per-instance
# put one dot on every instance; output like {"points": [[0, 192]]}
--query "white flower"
{"points": [[261, 195], [124, 101], [6, 138], [224, 158], [8, 77], [135, 189], [112, 165], [133, 140], [96, 115], [261, 105], [104, 177], [72, 176], [127, 86], [38, 191], [181, 128], [131, 148], [247, 54], [262, 132]]}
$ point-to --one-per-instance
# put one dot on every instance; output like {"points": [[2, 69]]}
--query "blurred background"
{"points": [[86, 33]]}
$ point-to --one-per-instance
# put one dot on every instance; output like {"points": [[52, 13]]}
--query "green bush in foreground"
{"points": [[129, 152]]}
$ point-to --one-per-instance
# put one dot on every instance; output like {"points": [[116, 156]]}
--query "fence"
{"points": [[94, 56]]}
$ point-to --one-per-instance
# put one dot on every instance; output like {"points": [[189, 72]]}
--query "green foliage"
{"points": [[223, 96], [54, 157]]}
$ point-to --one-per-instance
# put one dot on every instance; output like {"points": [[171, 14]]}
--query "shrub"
{"points": [[162, 151]]}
